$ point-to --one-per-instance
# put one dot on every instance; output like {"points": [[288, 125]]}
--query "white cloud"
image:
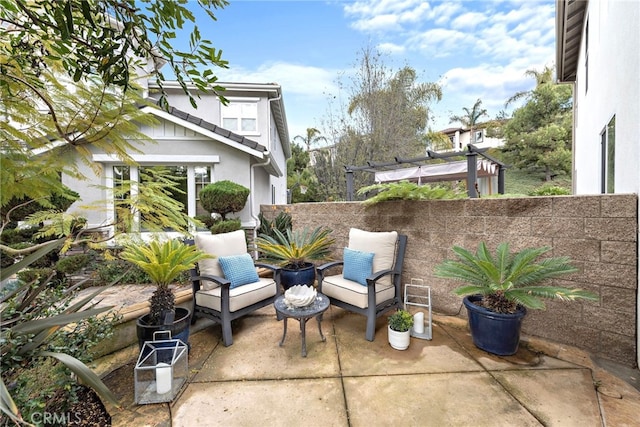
{"points": [[440, 42], [387, 15], [297, 79], [468, 21], [392, 48], [377, 23]]}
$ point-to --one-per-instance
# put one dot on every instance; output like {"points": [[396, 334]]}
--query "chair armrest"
{"points": [[271, 267], [221, 281], [328, 265], [371, 280]]}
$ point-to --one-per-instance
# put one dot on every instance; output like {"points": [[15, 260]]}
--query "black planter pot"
{"points": [[298, 276], [179, 329], [495, 333]]}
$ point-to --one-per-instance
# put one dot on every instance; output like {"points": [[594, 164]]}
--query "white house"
{"points": [[246, 141], [461, 137], [598, 51]]}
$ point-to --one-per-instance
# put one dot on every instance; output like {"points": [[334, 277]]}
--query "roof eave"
{"points": [[570, 17]]}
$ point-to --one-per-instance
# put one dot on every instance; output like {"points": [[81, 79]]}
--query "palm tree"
{"points": [[471, 117], [313, 136]]}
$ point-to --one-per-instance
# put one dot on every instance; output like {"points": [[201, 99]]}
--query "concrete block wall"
{"points": [[598, 232]]}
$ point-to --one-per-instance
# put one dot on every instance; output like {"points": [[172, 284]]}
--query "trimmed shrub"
{"points": [[224, 197], [206, 220], [226, 226], [73, 263]]}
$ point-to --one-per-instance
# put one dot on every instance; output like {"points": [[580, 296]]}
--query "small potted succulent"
{"points": [[400, 324], [498, 289], [294, 251]]}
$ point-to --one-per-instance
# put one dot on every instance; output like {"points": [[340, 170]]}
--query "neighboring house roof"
{"points": [[570, 15], [451, 130], [211, 130]]}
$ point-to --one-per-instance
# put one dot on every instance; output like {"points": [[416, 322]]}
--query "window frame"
{"points": [[234, 110]]}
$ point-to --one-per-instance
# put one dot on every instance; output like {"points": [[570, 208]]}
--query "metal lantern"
{"points": [[161, 370], [418, 295]]}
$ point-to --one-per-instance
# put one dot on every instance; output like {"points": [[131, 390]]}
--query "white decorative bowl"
{"points": [[299, 296]]}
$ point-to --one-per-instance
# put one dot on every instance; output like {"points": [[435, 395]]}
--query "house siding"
{"points": [[172, 143], [613, 90]]}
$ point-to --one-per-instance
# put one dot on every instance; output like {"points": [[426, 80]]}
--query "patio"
{"points": [[348, 381]]}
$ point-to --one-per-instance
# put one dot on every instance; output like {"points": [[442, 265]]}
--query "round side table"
{"points": [[302, 314]]}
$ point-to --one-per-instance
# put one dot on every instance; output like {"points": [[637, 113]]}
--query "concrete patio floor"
{"points": [[348, 381]]}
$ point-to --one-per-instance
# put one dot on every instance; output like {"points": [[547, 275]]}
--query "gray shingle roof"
{"points": [[216, 129]]}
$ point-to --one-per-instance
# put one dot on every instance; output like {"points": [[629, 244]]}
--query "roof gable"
{"points": [[209, 130]]}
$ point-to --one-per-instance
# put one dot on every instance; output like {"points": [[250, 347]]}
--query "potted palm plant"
{"points": [[400, 324], [499, 289], [295, 251], [163, 262]]}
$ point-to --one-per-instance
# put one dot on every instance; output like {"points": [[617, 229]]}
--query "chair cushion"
{"points": [[353, 293], [239, 269], [381, 243], [358, 265], [224, 244], [240, 297]]}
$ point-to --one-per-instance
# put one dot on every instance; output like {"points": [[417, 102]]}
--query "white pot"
{"points": [[399, 340]]}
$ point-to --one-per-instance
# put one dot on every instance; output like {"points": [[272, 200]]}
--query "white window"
{"points": [[190, 180], [240, 117], [608, 172], [202, 175], [478, 136]]}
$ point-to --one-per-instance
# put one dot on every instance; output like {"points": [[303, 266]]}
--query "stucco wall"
{"points": [[597, 232], [609, 88]]}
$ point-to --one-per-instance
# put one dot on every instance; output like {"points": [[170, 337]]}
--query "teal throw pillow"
{"points": [[357, 265], [238, 269]]}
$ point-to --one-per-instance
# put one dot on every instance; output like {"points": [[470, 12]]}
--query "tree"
{"points": [[106, 38], [437, 141], [470, 119], [313, 136], [543, 77], [538, 136], [68, 83], [301, 180], [386, 116]]}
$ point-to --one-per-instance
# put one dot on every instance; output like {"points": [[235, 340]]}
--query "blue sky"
{"points": [[474, 49]]}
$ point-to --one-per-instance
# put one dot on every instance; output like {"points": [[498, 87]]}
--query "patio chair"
{"points": [[370, 280], [228, 287]]}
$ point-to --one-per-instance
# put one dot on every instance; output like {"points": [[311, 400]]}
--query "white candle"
{"points": [[163, 378], [418, 323]]}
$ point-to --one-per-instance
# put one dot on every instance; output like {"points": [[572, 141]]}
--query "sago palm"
{"points": [[296, 248], [163, 262], [508, 280]]}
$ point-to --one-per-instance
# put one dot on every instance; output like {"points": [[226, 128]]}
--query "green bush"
{"points": [[32, 378], [282, 222], [226, 226], [224, 197], [13, 236], [550, 190], [39, 275], [73, 263], [110, 270], [206, 220]]}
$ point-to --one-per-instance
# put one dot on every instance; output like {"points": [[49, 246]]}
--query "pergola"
{"points": [[421, 171]]}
